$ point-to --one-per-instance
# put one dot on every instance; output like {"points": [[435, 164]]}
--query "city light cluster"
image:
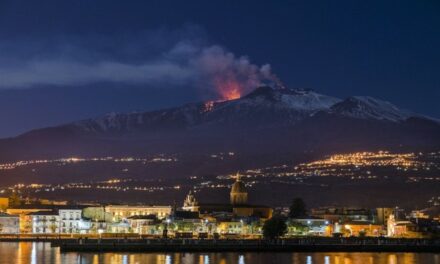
{"points": [[65, 161]]}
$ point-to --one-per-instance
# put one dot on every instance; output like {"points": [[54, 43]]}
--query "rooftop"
{"points": [[44, 213], [7, 215]]}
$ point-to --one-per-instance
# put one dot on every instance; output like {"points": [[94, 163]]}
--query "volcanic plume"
{"points": [[231, 76], [218, 73], [228, 89]]}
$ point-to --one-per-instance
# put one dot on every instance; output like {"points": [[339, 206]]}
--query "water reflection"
{"points": [[35, 253], [241, 259]]}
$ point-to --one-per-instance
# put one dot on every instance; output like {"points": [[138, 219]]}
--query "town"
{"points": [[194, 219]]}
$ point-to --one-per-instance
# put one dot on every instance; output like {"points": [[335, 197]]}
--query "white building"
{"points": [[45, 222], [143, 224], [84, 226], [121, 212], [70, 220], [9, 224], [96, 226], [121, 227]]}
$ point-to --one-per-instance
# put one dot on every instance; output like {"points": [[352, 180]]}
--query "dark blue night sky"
{"points": [[66, 60]]}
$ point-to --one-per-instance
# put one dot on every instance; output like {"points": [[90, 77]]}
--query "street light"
{"points": [[100, 231], [348, 227]]}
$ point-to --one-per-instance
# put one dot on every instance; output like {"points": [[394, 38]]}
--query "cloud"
{"points": [[51, 72], [159, 57]]}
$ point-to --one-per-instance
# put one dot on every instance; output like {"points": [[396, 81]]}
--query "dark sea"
{"points": [[38, 252]]}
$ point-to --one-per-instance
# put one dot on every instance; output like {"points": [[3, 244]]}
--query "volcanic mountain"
{"points": [[268, 121]]}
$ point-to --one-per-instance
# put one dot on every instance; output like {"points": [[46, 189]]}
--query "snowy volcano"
{"points": [[267, 120]]}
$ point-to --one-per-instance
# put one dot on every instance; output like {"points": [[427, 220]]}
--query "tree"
{"points": [[14, 200], [53, 227], [297, 228], [274, 228], [298, 208]]}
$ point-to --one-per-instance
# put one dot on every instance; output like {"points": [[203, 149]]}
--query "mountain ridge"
{"points": [[266, 120], [292, 104]]}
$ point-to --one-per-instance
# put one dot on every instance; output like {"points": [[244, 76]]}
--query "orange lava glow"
{"points": [[228, 89]]}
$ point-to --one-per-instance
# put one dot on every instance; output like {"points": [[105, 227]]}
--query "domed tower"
{"points": [[239, 195]]}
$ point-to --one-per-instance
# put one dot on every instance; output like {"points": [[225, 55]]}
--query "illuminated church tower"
{"points": [[239, 195], [190, 203]]}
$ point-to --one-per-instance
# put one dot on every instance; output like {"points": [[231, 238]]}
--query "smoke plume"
{"points": [[158, 58]]}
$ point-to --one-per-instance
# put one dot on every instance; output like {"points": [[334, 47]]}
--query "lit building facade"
{"points": [[342, 214], [382, 215], [70, 220], [308, 227], [9, 224], [121, 212], [25, 220], [143, 225], [231, 228], [45, 222], [402, 228], [361, 229]]}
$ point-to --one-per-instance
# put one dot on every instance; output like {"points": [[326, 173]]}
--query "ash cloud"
{"points": [[161, 57]]}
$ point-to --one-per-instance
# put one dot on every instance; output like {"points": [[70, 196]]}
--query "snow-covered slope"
{"points": [[296, 99], [365, 107], [264, 107], [268, 107]]}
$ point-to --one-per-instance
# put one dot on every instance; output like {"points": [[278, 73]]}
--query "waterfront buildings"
{"points": [[238, 218], [144, 224], [97, 227], [342, 214], [23, 213], [120, 212], [362, 229], [231, 228], [9, 224], [382, 215], [238, 207], [44, 222], [401, 228], [308, 226], [117, 227], [70, 220], [188, 224]]}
